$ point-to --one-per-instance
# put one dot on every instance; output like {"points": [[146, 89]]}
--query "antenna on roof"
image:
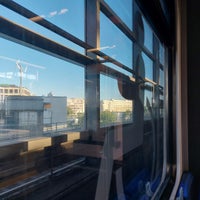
{"points": [[20, 74], [19, 64]]}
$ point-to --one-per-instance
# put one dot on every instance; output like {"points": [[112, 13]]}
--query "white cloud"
{"points": [[102, 48], [108, 47], [63, 11], [52, 14]]}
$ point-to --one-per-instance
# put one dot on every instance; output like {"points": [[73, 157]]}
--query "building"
{"points": [[34, 112], [55, 109], [13, 90], [24, 112], [76, 104], [7, 90], [116, 105]]}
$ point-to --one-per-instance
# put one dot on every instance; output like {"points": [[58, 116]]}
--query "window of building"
{"points": [[16, 91]]}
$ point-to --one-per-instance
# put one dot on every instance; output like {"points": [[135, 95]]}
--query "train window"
{"points": [[86, 120]]}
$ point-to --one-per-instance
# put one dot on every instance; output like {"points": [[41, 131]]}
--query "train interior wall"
{"points": [[193, 59]]}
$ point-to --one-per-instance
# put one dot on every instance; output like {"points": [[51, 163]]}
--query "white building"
{"points": [[76, 104], [12, 90], [115, 105]]}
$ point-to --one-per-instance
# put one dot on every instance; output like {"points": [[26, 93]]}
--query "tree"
{"points": [[107, 117], [80, 119], [70, 112]]}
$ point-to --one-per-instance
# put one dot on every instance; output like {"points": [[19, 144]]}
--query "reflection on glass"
{"points": [[123, 9], [43, 85], [161, 54], [161, 105], [148, 66], [61, 14], [38, 112], [153, 135], [60, 20], [148, 103], [46, 148], [113, 107], [148, 36], [161, 77], [114, 43]]}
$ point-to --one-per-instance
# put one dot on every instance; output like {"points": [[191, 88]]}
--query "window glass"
{"points": [[161, 77], [16, 18], [161, 54], [161, 91], [148, 36], [161, 105], [148, 102], [153, 132], [114, 43], [123, 9], [113, 107], [27, 118], [36, 121], [61, 14], [35, 74], [71, 132], [148, 66]]}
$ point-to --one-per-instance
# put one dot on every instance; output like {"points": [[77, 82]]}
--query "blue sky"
{"points": [[57, 76]]}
